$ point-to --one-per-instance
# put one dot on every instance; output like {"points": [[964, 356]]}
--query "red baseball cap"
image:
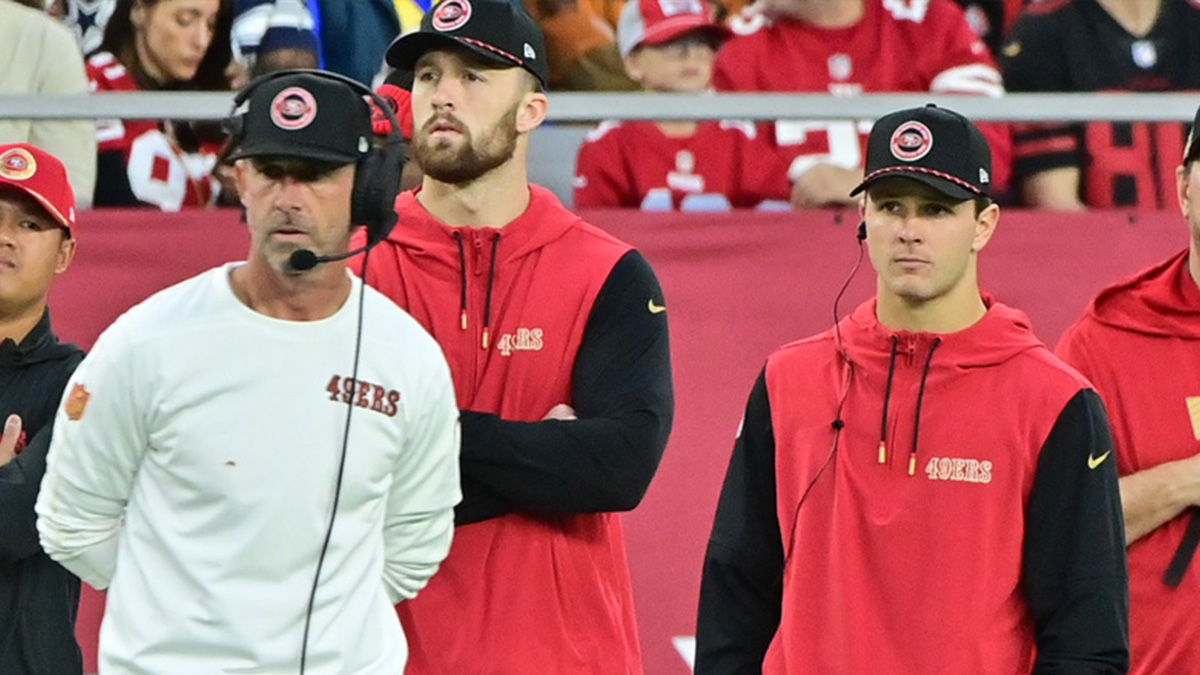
{"points": [[40, 175], [654, 22]]}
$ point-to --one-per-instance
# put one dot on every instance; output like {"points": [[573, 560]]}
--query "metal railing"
{"points": [[591, 107]]}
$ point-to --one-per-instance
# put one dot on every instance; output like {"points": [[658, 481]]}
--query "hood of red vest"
{"points": [[1162, 301], [424, 235], [1003, 333]]}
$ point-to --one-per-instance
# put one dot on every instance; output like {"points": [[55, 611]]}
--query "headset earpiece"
{"points": [[862, 230]]}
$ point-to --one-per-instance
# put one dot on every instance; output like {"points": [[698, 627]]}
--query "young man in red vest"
{"points": [[556, 335], [923, 488], [1139, 342]]}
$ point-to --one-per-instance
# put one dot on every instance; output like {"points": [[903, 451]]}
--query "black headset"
{"points": [[377, 173]]}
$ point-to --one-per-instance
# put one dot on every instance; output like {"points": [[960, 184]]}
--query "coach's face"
{"points": [[923, 243], [33, 250], [294, 204], [469, 115]]}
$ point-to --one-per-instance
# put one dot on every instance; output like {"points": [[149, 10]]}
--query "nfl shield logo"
{"points": [[840, 67], [1145, 54]]}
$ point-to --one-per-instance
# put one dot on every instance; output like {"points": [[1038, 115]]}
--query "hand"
{"points": [[824, 185], [562, 411], [12, 435]]}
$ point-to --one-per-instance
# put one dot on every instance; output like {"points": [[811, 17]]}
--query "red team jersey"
{"points": [[897, 46], [158, 171], [722, 165]]}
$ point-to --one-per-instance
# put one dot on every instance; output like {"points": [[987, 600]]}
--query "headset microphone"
{"points": [[303, 260]]}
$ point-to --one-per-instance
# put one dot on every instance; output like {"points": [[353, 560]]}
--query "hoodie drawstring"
{"points": [[887, 395], [462, 279], [487, 304], [912, 457]]}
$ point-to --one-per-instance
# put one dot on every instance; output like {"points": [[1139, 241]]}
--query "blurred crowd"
{"points": [[839, 47]]}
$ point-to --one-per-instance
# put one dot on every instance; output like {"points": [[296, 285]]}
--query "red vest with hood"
{"points": [[522, 594], [892, 572], [1139, 343]]}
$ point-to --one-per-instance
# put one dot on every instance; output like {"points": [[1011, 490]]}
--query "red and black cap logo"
{"points": [[451, 15], [17, 164], [293, 108], [911, 141]]}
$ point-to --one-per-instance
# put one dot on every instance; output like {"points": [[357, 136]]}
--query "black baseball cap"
{"points": [[931, 145], [1192, 150], [298, 114], [498, 30]]}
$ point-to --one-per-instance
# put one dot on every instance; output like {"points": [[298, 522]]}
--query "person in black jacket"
{"points": [[38, 599]]}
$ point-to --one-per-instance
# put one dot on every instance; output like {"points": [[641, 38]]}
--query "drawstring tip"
{"points": [[463, 319], [882, 453], [912, 465], [485, 338]]}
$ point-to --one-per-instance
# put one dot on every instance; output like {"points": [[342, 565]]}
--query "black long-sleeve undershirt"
{"points": [[622, 395]]}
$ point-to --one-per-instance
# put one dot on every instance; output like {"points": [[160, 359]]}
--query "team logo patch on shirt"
{"points": [[451, 15], [959, 470], [17, 164], [911, 141], [293, 108], [363, 394], [524, 340], [76, 402]]}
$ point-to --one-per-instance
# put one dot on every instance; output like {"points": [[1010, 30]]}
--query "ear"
{"points": [[533, 111], [985, 227], [1183, 188], [241, 179], [137, 14], [66, 253], [633, 67]]}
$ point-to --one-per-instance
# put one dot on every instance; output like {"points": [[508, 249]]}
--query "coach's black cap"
{"points": [[298, 114], [1192, 150], [498, 30], [931, 145]]}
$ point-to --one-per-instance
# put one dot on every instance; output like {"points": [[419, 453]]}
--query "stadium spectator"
{"points": [[1139, 343], [848, 47], [670, 46], [40, 57], [1101, 45], [161, 45], [271, 35]]}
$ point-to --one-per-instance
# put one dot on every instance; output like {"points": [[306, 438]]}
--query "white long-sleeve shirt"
{"points": [[192, 473]]}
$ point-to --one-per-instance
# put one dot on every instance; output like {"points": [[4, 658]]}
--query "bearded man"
{"points": [[556, 335]]}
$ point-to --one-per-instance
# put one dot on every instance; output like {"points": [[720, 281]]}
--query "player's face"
{"points": [[467, 116], [1188, 184], [923, 244], [684, 65], [33, 249], [291, 205], [174, 35]]}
